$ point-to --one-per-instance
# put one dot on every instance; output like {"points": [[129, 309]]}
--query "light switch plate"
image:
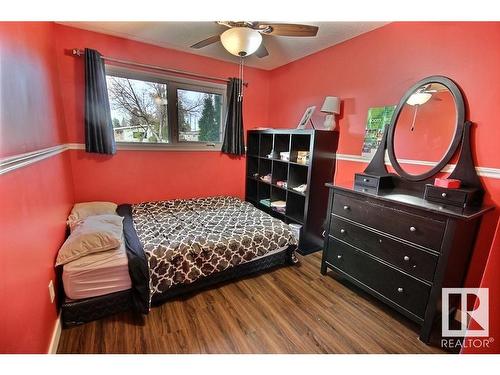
{"points": [[52, 293]]}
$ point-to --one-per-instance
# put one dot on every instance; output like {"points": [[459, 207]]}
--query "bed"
{"points": [[180, 246]]}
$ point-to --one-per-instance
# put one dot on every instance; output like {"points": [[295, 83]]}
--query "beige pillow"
{"points": [[92, 235], [81, 211]]}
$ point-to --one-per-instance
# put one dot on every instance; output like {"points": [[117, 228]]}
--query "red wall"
{"points": [[373, 69], [35, 199], [376, 68], [133, 176]]}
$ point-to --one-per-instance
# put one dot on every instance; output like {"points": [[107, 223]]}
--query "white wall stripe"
{"points": [[481, 171], [14, 162]]}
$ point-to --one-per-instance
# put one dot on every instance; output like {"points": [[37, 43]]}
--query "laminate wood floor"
{"points": [[292, 309]]}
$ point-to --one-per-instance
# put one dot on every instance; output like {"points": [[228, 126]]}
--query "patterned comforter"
{"points": [[185, 240]]}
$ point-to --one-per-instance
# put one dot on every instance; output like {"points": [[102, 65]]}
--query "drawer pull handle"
{"points": [[339, 256], [342, 231], [413, 229], [366, 180], [444, 195], [346, 208], [400, 290], [406, 258], [380, 240]]}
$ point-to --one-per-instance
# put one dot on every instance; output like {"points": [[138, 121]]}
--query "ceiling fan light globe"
{"points": [[241, 41], [418, 98]]}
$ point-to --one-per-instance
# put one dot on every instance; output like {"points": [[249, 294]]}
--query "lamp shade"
{"points": [[241, 41], [331, 105]]}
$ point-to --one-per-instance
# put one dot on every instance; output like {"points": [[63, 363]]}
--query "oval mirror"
{"points": [[426, 128]]}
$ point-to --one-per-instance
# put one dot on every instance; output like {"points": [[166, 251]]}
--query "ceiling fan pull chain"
{"points": [[240, 83]]}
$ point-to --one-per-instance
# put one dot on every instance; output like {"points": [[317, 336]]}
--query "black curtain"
{"points": [[233, 134], [99, 136]]}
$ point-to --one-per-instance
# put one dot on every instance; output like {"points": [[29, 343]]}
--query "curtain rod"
{"points": [[78, 52]]}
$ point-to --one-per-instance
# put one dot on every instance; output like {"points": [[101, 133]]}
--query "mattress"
{"points": [[97, 274], [185, 240]]}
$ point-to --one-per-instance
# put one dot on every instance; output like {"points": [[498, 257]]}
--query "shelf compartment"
{"points": [[280, 171], [266, 144], [300, 142], [297, 176], [252, 166], [252, 190], [264, 191], [265, 167], [295, 206], [253, 144], [278, 194], [281, 144]]}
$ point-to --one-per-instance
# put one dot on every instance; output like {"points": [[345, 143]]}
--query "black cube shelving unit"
{"points": [[308, 208]]}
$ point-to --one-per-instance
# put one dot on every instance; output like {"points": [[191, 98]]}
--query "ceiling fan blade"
{"points": [[288, 29], [206, 42], [262, 51]]}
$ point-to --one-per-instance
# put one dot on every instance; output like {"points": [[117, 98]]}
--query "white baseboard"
{"points": [[56, 335]]}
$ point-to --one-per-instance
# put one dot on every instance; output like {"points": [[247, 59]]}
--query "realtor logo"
{"points": [[475, 315]]}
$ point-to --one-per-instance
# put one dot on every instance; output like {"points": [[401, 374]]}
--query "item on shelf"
{"points": [[266, 202], [301, 188], [279, 206], [285, 156], [271, 155], [302, 157], [331, 107], [266, 178], [448, 183], [281, 184], [306, 117], [255, 175]]}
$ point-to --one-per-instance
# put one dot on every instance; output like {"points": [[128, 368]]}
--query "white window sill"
{"points": [[167, 147]]}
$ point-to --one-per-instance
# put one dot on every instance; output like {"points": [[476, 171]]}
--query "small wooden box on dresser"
{"points": [[393, 239], [305, 208]]}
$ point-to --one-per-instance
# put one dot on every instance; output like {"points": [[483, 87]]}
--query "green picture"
{"points": [[378, 118]]}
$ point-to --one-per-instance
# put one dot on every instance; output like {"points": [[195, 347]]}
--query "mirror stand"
{"points": [[376, 179]]}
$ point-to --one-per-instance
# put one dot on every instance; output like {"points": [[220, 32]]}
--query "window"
{"points": [[156, 110]]}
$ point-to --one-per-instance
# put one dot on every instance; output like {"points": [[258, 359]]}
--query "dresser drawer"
{"points": [[365, 180], [416, 262], [417, 229], [394, 285]]}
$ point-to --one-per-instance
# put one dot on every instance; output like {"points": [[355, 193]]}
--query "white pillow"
{"points": [[92, 235], [81, 211]]}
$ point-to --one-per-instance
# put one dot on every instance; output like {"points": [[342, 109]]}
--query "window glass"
{"points": [[199, 116], [139, 110]]}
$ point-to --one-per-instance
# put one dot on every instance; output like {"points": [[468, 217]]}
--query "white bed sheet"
{"points": [[97, 274]]}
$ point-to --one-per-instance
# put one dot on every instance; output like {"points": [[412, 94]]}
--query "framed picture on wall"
{"points": [[306, 117]]}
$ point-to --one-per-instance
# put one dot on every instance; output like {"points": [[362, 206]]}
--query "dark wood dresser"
{"points": [[404, 236], [400, 248]]}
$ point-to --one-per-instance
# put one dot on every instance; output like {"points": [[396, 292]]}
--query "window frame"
{"points": [[173, 84]]}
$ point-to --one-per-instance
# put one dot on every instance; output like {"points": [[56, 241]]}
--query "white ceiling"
{"points": [[180, 35]]}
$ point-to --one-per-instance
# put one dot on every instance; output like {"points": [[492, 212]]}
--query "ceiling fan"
{"points": [[244, 38]]}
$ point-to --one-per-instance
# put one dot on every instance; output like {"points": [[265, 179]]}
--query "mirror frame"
{"points": [[457, 138]]}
